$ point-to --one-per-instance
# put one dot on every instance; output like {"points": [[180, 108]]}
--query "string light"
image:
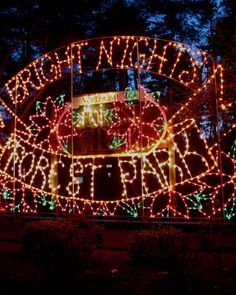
{"points": [[142, 145]]}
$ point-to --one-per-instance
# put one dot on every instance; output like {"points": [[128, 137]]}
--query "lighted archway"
{"points": [[88, 129]]}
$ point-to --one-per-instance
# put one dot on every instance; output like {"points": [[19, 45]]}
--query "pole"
{"points": [[72, 141], [220, 168], [141, 140], [171, 152]]}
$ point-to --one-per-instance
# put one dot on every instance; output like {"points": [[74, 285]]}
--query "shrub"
{"points": [[61, 248], [11, 228], [163, 246]]}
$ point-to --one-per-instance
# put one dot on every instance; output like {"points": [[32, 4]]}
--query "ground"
{"points": [[114, 272]]}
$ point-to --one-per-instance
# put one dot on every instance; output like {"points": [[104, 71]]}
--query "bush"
{"points": [[11, 228], [164, 246], [61, 248]]}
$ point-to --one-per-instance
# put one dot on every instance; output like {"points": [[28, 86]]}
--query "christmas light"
{"points": [[61, 157]]}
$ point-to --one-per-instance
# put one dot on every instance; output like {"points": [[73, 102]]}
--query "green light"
{"points": [[38, 107], [157, 94], [60, 100], [109, 115], [52, 204], [7, 195], [131, 95], [117, 142]]}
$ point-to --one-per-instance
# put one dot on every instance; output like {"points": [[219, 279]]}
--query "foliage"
{"points": [[11, 228], [61, 247], [31, 28], [164, 246]]}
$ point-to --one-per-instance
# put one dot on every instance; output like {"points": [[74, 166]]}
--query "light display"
{"points": [[87, 129]]}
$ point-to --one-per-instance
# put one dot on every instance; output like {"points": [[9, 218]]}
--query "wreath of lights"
{"points": [[60, 150]]}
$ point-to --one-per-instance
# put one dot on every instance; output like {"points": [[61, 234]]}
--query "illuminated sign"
{"points": [[66, 149]]}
